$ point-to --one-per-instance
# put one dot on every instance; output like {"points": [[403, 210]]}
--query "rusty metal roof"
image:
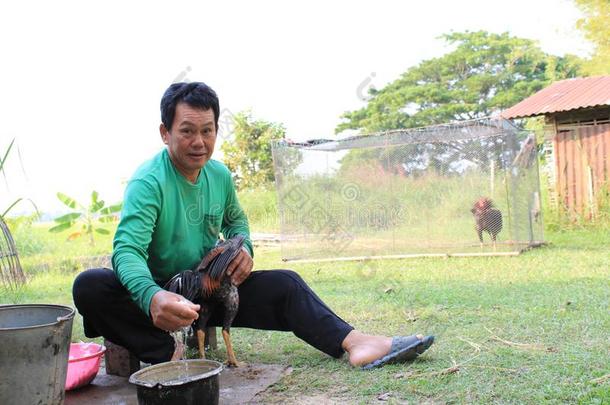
{"points": [[565, 95]]}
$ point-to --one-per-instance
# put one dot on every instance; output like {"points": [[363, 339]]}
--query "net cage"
{"points": [[11, 272], [423, 191]]}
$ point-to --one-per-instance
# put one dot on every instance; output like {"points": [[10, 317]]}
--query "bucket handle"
{"points": [[64, 318]]}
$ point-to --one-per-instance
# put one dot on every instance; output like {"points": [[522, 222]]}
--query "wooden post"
{"points": [[119, 361]]}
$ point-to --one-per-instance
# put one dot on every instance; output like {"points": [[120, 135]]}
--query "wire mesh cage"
{"points": [[467, 188], [11, 271]]}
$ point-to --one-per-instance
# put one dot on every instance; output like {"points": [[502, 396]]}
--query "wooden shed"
{"points": [[577, 118]]}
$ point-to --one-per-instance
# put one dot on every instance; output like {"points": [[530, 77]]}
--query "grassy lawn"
{"points": [[528, 329]]}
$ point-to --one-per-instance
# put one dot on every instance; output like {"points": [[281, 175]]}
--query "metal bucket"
{"points": [[34, 346], [184, 382]]}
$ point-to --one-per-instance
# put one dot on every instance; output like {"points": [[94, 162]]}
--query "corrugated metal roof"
{"points": [[564, 95]]}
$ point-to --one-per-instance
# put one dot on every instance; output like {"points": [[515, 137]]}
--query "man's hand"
{"points": [[241, 267], [171, 311]]}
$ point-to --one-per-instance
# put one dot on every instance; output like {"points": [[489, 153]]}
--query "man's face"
{"points": [[190, 142]]}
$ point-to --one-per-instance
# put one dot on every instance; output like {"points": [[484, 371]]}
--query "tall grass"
{"points": [[445, 200], [558, 217], [388, 213], [41, 251], [260, 205]]}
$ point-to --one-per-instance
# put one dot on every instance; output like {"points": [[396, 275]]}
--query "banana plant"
{"points": [[86, 219]]}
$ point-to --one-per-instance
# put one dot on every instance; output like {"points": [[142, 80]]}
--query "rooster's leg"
{"points": [[201, 342], [231, 360]]}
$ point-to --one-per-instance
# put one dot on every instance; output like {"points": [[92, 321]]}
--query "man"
{"points": [[174, 208]]}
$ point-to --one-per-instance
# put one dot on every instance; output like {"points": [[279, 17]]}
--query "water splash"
{"points": [[180, 336]]}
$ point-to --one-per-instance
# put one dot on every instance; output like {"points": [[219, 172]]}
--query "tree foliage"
{"points": [[483, 74], [248, 154], [596, 28]]}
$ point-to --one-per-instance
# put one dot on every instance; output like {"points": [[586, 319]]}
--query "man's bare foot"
{"points": [[363, 349]]}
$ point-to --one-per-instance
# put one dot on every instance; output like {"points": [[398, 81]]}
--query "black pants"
{"points": [[269, 299]]}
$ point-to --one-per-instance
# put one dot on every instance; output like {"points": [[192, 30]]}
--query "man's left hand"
{"points": [[241, 267]]}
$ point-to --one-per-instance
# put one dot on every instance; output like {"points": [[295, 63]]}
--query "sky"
{"points": [[80, 82]]}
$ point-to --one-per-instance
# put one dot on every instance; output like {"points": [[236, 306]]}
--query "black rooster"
{"points": [[209, 286], [487, 218]]}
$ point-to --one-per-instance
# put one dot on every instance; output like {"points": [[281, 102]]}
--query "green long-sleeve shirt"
{"points": [[168, 224]]}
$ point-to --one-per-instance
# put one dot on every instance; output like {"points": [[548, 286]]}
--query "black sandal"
{"points": [[404, 348]]}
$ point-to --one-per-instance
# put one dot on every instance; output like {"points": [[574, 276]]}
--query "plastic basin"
{"points": [[83, 364]]}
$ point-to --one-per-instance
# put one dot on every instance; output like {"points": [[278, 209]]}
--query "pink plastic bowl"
{"points": [[83, 364]]}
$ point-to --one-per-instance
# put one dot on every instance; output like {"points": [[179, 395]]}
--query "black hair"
{"points": [[195, 94]]}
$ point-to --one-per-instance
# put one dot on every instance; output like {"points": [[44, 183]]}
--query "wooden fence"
{"points": [[582, 164]]}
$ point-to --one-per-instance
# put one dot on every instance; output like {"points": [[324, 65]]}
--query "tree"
{"points": [[248, 155], [484, 74], [596, 28], [86, 217]]}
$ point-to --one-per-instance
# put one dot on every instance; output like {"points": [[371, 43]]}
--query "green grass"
{"points": [[556, 299]]}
